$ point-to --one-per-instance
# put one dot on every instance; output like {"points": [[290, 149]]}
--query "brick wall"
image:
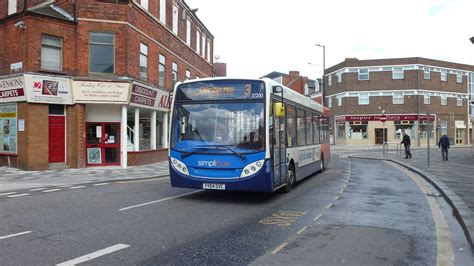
{"points": [[146, 157], [75, 136]]}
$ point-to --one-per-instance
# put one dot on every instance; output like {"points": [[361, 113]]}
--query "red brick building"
{"points": [[296, 82], [86, 83], [408, 90]]}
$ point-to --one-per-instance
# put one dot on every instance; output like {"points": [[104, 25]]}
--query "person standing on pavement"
{"points": [[444, 145], [406, 142]]}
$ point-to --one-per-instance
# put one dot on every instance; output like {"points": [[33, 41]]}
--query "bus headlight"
{"points": [[252, 168], [179, 166]]}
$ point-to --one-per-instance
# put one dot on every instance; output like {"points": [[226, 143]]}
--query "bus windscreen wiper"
{"points": [[241, 156]]}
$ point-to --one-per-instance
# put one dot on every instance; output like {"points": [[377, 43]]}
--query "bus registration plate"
{"points": [[213, 186]]}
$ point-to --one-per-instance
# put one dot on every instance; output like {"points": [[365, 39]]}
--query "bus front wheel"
{"points": [[290, 179], [322, 163]]}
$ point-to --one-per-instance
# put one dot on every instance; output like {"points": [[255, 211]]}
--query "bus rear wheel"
{"points": [[322, 163], [290, 179]]}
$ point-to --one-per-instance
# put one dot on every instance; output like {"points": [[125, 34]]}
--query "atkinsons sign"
{"points": [[148, 97], [12, 89]]}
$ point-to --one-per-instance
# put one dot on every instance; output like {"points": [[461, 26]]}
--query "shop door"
{"points": [[379, 135], [57, 147], [459, 135], [103, 144]]}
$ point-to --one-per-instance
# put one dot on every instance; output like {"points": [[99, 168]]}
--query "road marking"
{"points": [[342, 191], [282, 218], [302, 230], [18, 195], [64, 186], [93, 255], [51, 190], [337, 197], [280, 247], [13, 235], [100, 184], [157, 201], [444, 238], [8, 193], [329, 206], [136, 181], [76, 187], [317, 217], [36, 189]]}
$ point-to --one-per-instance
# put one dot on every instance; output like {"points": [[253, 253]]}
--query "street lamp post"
{"points": [[324, 69]]}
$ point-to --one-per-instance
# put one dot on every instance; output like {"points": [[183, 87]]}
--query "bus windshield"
{"points": [[227, 127]]}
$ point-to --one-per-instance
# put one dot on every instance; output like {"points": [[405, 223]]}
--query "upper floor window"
{"points": [[459, 77], [339, 100], [161, 70], [174, 73], [426, 73], [188, 32], [339, 77], [329, 80], [188, 74], [208, 51], [175, 19], [330, 102], [198, 41], [51, 53], [143, 61], [444, 100], [163, 11], [397, 73], [363, 74], [12, 6], [444, 75], [398, 98], [459, 100], [203, 44], [101, 52], [363, 98], [426, 99], [144, 4]]}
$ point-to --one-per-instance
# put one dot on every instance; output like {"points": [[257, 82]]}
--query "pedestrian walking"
{"points": [[444, 145], [406, 142]]}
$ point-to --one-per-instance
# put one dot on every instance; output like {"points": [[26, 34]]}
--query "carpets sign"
{"points": [[149, 97], [12, 89]]}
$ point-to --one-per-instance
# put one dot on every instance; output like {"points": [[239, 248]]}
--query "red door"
{"points": [[102, 144], [57, 147]]}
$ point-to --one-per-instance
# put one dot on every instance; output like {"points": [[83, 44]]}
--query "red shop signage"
{"points": [[352, 118]]}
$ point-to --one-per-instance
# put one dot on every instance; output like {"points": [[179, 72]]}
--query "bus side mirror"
{"points": [[277, 89], [279, 109]]}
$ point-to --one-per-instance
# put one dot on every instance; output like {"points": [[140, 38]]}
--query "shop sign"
{"points": [[351, 118], [8, 132], [44, 89], [149, 97], [100, 92], [12, 89]]}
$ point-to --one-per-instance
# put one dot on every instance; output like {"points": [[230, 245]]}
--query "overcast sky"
{"points": [[255, 37]]}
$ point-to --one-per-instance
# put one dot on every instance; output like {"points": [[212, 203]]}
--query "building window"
{"points": [[398, 98], [161, 71], [175, 20], [358, 130], [459, 77], [330, 102], [101, 52], [444, 75], [51, 53], [444, 100], [397, 73], [459, 100], [12, 6], [163, 11], [143, 62], [208, 51], [363, 98], [188, 32], [339, 77], [426, 73], [329, 80], [174, 73], [363, 74], [188, 74], [198, 42], [426, 98], [144, 4], [339, 100]]}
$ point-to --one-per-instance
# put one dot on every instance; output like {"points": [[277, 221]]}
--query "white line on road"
{"points": [[156, 201], [36, 189], [8, 193], [93, 255], [302, 230], [76, 187], [101, 184], [280, 247], [13, 235], [317, 217], [51, 190], [18, 195]]}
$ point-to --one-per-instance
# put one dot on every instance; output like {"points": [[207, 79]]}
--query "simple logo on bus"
{"points": [[213, 163]]}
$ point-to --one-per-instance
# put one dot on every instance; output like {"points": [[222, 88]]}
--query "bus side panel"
{"points": [[260, 182], [325, 148]]}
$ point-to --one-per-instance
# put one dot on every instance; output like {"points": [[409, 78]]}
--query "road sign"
{"points": [[383, 118]]}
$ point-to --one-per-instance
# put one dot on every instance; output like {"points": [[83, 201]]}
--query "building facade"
{"points": [[423, 97], [86, 83]]}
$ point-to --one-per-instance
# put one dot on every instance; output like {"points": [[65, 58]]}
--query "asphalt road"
{"points": [[358, 212]]}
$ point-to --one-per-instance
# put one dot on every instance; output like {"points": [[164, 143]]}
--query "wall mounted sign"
{"points": [[351, 118], [101, 92], [8, 132], [12, 89], [45, 89], [149, 97]]}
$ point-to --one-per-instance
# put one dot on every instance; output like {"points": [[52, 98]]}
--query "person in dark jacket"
{"points": [[444, 145], [406, 142]]}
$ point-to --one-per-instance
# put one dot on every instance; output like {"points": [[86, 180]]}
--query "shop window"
{"points": [[161, 71], [291, 125], [404, 126], [398, 98], [424, 129], [174, 73], [443, 127], [301, 135], [397, 73], [363, 74], [358, 130], [51, 53], [101, 52], [144, 133], [143, 62], [341, 130]]}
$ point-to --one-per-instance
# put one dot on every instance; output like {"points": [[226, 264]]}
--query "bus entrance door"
{"points": [[277, 136]]}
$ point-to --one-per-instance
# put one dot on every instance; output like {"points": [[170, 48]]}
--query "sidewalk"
{"points": [[454, 178], [13, 179]]}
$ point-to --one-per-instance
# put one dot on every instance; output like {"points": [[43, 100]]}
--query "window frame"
{"points": [[398, 100], [459, 100], [61, 52], [360, 70], [161, 64], [175, 24], [145, 4], [363, 98], [143, 54], [458, 77], [162, 17], [188, 74], [426, 74], [398, 73], [444, 75], [188, 32], [198, 41], [174, 73], [443, 100], [426, 98], [98, 43]]}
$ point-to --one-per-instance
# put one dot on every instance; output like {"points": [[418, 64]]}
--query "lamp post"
{"points": [[324, 69]]}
